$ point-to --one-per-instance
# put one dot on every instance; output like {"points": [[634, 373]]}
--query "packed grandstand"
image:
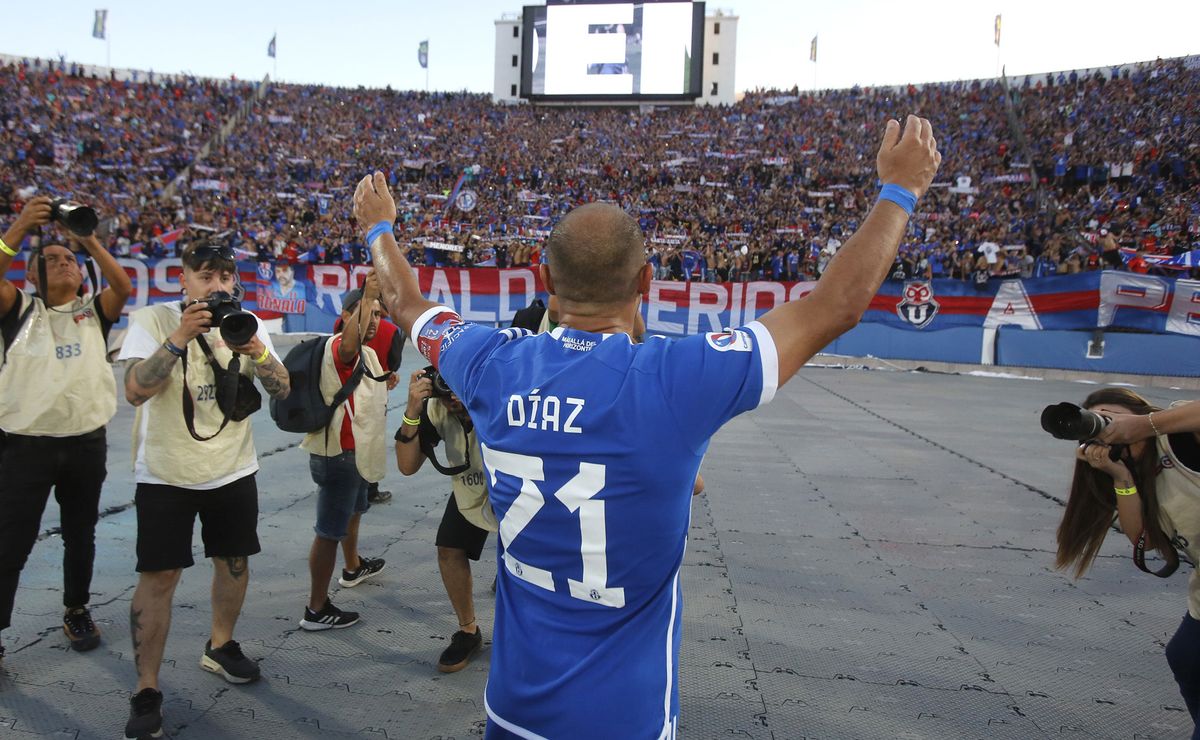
{"points": [[1045, 174]]}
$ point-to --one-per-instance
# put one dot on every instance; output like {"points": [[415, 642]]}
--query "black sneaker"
{"points": [[376, 496], [329, 618], [80, 629], [229, 662], [145, 715], [462, 647], [367, 567]]}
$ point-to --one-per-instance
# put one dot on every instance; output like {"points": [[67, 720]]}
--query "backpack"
{"points": [[530, 317], [304, 410]]}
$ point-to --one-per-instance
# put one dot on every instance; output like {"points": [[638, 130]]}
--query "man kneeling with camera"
{"points": [[194, 456], [434, 414]]}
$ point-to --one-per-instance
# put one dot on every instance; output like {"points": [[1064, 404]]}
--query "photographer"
{"points": [[1154, 488], [57, 393], [182, 399], [343, 463], [433, 415]]}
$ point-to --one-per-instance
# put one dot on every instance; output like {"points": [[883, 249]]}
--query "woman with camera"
{"points": [[194, 456], [1153, 486]]}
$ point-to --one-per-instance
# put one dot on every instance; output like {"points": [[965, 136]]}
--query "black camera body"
{"points": [[440, 388], [79, 219], [237, 326]]}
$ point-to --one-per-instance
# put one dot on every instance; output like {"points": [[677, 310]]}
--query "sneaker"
{"points": [[230, 663], [329, 618], [367, 567], [145, 715], [462, 647], [376, 496], [80, 629]]}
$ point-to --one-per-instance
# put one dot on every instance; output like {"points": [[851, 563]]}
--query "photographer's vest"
{"points": [[368, 424], [1178, 491], [57, 381], [171, 455], [470, 492]]}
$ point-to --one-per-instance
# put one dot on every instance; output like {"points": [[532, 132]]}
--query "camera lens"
{"points": [[238, 328], [79, 219]]}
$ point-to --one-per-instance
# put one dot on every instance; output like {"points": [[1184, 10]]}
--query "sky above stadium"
{"points": [[374, 43]]}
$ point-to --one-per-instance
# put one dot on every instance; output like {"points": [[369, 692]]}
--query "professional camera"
{"points": [[1068, 421], [440, 389], [79, 219], [237, 326]]}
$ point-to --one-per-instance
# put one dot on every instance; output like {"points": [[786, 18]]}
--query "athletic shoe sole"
{"points": [[213, 666], [82, 644], [360, 579], [321, 626]]}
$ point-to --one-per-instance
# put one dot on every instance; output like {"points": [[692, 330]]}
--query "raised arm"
{"points": [[146, 378], [353, 328], [114, 297], [802, 328], [1129, 428], [35, 213], [375, 212]]}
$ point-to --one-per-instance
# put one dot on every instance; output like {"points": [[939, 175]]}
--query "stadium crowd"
{"points": [[765, 189]]}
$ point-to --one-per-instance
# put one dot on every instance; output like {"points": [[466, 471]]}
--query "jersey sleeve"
{"points": [[710, 378], [458, 349]]}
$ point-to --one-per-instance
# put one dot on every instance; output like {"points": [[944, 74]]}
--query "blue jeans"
{"points": [[341, 493], [1183, 655]]}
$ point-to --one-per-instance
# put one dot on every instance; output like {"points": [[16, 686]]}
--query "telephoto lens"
{"points": [[79, 219], [1068, 421]]}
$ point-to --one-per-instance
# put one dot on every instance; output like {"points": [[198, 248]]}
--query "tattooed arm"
{"points": [[274, 378], [146, 378]]}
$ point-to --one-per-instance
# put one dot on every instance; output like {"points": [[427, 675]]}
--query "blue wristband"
{"points": [[899, 196], [378, 230]]}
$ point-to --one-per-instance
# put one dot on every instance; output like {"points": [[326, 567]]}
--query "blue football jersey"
{"points": [[591, 445]]}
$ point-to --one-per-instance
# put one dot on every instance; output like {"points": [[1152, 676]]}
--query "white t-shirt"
{"points": [[989, 250], [139, 345]]}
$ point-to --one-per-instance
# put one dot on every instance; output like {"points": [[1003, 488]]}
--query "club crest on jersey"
{"points": [[729, 341], [84, 315], [918, 306]]}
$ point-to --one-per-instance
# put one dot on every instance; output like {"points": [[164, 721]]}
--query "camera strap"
{"points": [[1139, 559], [227, 382], [428, 450]]}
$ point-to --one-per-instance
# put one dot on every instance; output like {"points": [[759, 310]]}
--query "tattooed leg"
{"points": [[149, 622], [230, 578]]}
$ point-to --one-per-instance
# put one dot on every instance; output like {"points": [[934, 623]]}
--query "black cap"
{"points": [[351, 299]]}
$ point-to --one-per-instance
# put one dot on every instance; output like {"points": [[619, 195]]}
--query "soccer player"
{"points": [[593, 521]]}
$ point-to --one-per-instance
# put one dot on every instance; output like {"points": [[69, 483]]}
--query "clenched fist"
{"points": [[910, 160]]}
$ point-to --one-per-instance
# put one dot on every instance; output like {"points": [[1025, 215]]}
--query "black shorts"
{"points": [[167, 514], [456, 532]]}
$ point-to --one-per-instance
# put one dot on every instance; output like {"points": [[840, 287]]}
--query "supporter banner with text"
{"points": [[309, 297]]}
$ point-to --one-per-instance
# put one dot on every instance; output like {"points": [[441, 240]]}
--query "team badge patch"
{"points": [[918, 306], [729, 341]]}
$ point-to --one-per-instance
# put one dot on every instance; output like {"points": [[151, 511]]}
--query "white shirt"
{"points": [[139, 345], [989, 250]]}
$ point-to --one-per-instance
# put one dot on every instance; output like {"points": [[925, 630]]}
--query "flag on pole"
{"points": [[423, 54], [812, 50], [98, 25], [997, 29], [271, 48]]}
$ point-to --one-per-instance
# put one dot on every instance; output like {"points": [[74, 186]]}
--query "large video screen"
{"points": [[587, 51]]}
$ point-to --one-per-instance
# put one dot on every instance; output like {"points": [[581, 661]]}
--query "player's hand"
{"points": [[910, 160], [373, 202]]}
